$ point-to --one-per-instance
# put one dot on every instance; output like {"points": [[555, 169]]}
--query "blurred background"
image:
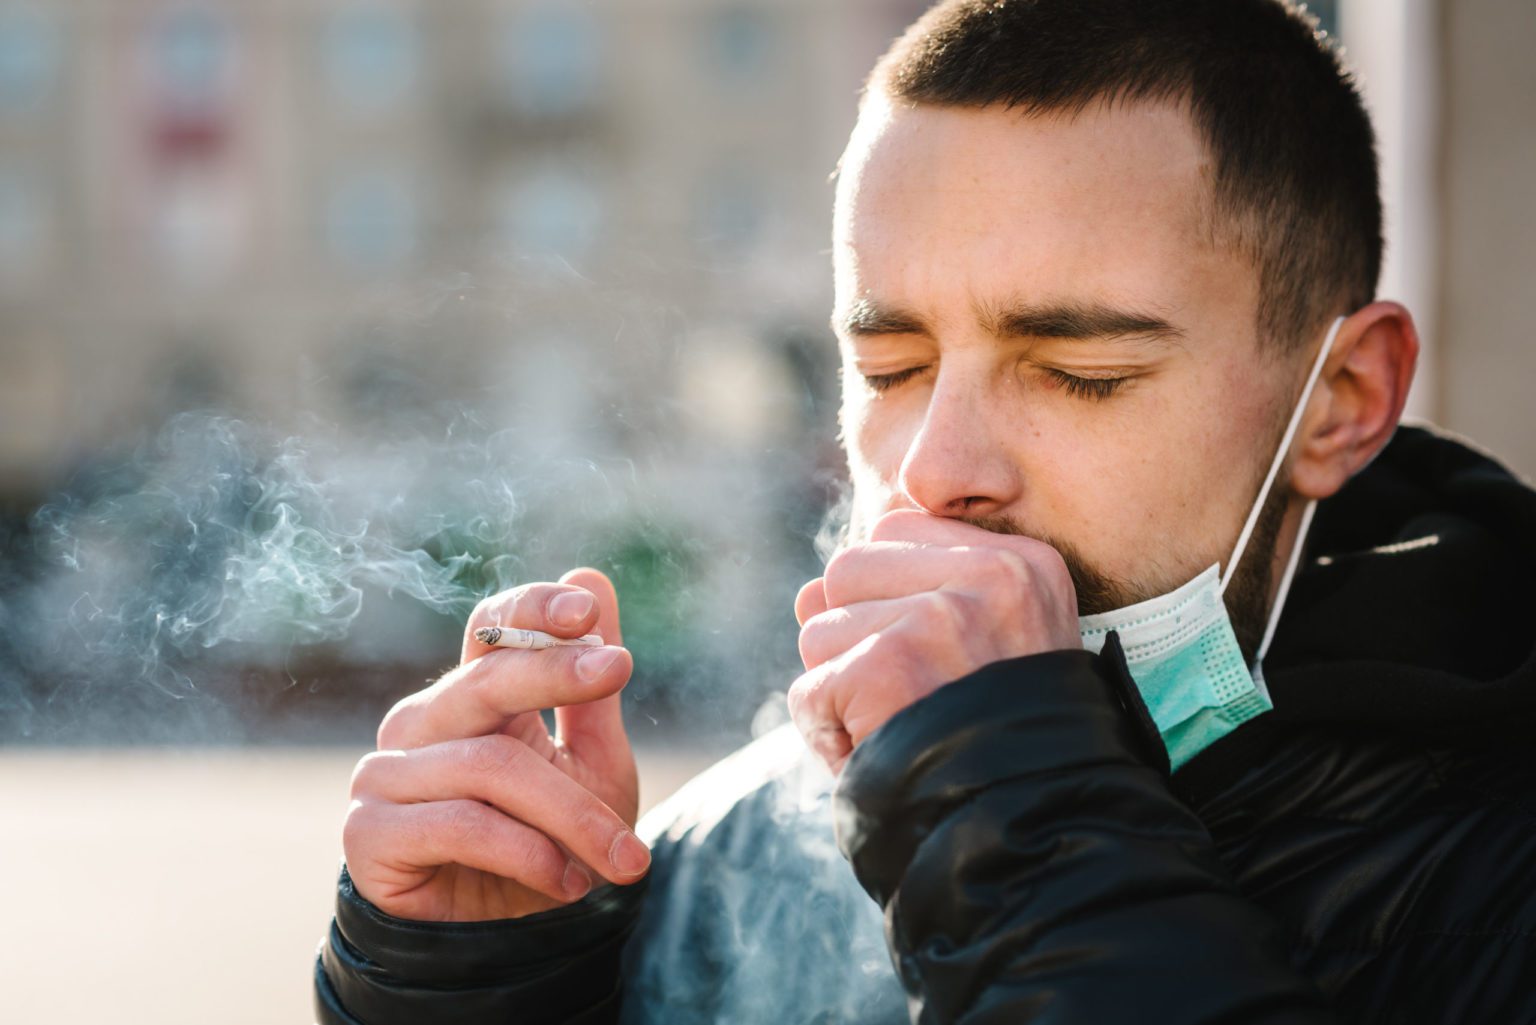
{"points": [[321, 319]]}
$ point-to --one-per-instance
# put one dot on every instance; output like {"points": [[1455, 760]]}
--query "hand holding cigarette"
{"points": [[470, 810]]}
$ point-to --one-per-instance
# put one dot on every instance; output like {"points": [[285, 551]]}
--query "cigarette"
{"points": [[532, 640]]}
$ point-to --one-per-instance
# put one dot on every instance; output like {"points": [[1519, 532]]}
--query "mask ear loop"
{"points": [[1285, 580], [1274, 469]]}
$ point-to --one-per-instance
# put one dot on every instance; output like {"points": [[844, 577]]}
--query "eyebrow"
{"points": [[866, 318], [1073, 320]]}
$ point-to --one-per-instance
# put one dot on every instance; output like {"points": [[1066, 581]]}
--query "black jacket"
{"points": [[1365, 853]]}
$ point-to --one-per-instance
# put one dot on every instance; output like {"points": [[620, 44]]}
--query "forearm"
{"points": [[1034, 866], [557, 966]]}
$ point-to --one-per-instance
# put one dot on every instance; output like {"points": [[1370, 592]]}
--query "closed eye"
{"points": [[1095, 389], [882, 382]]}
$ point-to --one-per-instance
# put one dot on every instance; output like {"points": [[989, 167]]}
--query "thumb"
{"points": [[596, 728]]}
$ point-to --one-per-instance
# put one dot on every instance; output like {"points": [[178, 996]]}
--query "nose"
{"points": [[958, 464]]}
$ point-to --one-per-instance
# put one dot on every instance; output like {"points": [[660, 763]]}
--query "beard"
{"points": [[1246, 597]]}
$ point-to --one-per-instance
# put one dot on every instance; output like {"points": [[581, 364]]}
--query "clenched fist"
{"points": [[926, 601], [470, 809]]}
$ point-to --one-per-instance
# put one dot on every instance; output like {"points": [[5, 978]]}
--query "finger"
{"points": [[815, 701], [596, 728], [825, 736], [879, 570], [922, 528], [842, 701], [828, 634], [565, 610], [892, 569], [596, 583], [408, 839], [925, 528], [481, 696], [811, 601], [519, 782]]}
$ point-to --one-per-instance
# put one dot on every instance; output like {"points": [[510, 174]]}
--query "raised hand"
{"points": [[925, 602], [470, 809]]}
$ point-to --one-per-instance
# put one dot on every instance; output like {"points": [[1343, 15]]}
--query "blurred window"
{"points": [[551, 59], [192, 58], [371, 221], [197, 223], [29, 56], [551, 213], [738, 45], [371, 57]]}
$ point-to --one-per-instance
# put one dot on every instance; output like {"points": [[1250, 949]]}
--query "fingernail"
{"points": [[628, 854], [592, 664], [569, 608], [576, 882]]}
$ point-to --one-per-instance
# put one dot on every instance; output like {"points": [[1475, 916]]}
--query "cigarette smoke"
{"points": [[217, 558]]}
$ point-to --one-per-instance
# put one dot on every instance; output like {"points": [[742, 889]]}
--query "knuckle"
{"points": [[486, 609], [895, 646], [943, 613], [800, 696], [488, 681], [391, 728], [493, 757], [813, 640], [535, 855], [357, 829], [890, 526], [1055, 567], [1009, 570], [596, 824], [525, 605], [368, 769], [841, 568], [461, 824]]}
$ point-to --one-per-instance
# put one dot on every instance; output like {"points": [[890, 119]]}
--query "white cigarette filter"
{"points": [[531, 640]]}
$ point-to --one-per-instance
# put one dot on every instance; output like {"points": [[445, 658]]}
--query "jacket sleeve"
{"points": [[560, 966], [1018, 829]]}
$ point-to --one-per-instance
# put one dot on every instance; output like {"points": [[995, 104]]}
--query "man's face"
{"points": [[1066, 351]]}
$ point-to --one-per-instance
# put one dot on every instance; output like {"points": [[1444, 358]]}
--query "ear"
{"points": [[1358, 399]]}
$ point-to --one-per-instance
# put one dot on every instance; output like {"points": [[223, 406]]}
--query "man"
{"points": [[1105, 276]]}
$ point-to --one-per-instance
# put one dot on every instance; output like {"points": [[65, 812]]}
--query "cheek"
{"points": [[877, 434], [1194, 472], [1154, 496], [866, 446]]}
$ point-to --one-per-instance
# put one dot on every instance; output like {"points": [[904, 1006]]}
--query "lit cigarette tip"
{"points": [[533, 640]]}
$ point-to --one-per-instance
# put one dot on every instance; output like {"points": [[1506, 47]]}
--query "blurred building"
{"points": [[267, 206]]}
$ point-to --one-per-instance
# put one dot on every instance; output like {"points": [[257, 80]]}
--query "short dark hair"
{"points": [[1296, 185]]}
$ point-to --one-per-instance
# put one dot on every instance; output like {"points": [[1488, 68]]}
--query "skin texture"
{"points": [[471, 810], [947, 219]]}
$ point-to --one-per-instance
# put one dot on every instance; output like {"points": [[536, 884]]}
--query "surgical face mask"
{"points": [[1180, 647]]}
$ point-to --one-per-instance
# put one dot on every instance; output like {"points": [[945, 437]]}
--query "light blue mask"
{"points": [[1180, 647]]}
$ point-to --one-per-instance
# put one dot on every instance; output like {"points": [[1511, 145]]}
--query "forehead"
{"points": [[991, 205]]}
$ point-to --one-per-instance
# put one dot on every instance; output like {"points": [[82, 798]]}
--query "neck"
{"points": [[1285, 540]]}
